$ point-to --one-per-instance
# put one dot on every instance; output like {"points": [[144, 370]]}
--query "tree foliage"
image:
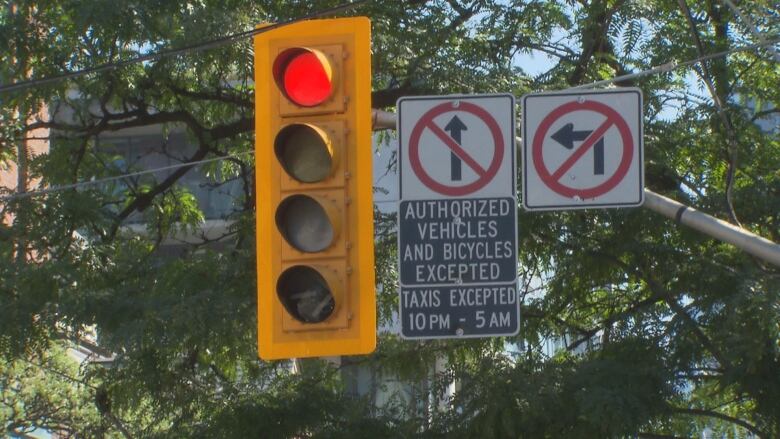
{"points": [[665, 331]]}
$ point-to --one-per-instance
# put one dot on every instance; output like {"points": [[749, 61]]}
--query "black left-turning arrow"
{"points": [[455, 126], [566, 136]]}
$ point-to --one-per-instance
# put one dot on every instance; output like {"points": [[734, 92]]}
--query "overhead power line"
{"points": [[53, 189], [668, 67], [660, 69], [165, 53]]}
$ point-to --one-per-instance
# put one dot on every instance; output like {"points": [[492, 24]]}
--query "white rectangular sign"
{"points": [[457, 217], [583, 149]]}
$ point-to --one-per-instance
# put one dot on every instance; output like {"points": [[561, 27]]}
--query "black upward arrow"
{"points": [[455, 126], [566, 136]]}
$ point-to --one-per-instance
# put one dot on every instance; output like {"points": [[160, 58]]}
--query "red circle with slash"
{"points": [[551, 179], [484, 175]]}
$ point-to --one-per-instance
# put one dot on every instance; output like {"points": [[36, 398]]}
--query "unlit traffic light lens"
{"points": [[304, 75], [305, 294], [305, 152], [304, 223]]}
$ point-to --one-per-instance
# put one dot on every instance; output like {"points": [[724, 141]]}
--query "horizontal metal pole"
{"points": [[382, 120], [718, 229]]}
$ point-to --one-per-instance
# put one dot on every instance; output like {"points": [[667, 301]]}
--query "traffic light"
{"points": [[315, 231]]}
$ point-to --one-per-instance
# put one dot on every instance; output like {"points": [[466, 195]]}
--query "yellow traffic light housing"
{"points": [[315, 232]]}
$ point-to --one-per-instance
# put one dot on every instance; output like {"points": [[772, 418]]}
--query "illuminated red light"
{"points": [[307, 79]]}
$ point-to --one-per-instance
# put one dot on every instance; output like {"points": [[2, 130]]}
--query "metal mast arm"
{"points": [[714, 227]]}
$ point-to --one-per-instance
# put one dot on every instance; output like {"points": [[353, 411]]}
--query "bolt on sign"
{"points": [[457, 217]]}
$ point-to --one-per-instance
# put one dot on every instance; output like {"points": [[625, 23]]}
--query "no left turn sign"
{"points": [[583, 150]]}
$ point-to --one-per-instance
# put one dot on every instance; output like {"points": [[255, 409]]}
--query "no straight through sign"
{"points": [[457, 218]]}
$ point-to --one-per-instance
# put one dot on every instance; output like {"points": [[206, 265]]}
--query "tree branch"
{"points": [[595, 39], [712, 414], [143, 201], [215, 95], [718, 98], [388, 97], [671, 301]]}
